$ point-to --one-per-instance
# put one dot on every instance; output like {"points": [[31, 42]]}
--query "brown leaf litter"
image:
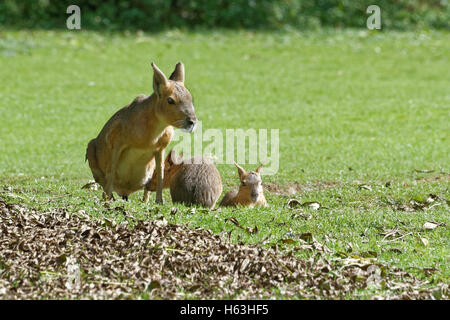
{"points": [[237, 224], [419, 203], [57, 255]]}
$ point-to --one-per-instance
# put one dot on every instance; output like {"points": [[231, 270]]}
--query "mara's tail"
{"points": [[90, 152], [91, 156]]}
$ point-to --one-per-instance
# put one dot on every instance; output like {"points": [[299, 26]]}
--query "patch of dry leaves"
{"points": [[57, 255]]}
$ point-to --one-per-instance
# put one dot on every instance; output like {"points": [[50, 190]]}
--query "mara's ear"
{"points": [[259, 168], [241, 170], [178, 159], [178, 73], [159, 80], [170, 157], [173, 158]]}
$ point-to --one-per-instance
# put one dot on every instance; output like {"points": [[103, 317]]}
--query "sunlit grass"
{"points": [[352, 108]]}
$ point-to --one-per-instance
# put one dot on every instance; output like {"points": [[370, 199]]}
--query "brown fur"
{"points": [[192, 182], [250, 192], [130, 147]]}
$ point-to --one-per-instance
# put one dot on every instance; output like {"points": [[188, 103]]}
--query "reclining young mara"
{"points": [[131, 145], [250, 191], [195, 181]]}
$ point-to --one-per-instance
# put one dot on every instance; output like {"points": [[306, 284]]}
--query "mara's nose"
{"points": [[190, 124], [190, 121]]}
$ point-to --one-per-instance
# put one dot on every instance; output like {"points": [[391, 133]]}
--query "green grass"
{"points": [[353, 107]]}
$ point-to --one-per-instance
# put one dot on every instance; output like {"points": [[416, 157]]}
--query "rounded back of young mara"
{"points": [[194, 181]]}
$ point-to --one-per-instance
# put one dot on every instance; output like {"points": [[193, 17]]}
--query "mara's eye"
{"points": [[170, 101], [242, 183]]}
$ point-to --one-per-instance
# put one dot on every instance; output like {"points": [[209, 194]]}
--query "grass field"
{"points": [[363, 120]]}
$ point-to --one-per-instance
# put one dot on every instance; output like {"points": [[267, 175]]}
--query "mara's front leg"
{"points": [[159, 155], [146, 194], [150, 168]]}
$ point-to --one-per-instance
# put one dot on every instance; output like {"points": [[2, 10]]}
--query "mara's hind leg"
{"points": [[99, 177], [106, 198], [110, 175]]}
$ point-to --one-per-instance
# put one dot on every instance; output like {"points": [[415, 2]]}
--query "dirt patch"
{"points": [[57, 255], [433, 179], [292, 188]]}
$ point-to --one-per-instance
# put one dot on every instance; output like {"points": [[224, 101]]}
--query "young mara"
{"points": [[195, 181], [250, 191]]}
